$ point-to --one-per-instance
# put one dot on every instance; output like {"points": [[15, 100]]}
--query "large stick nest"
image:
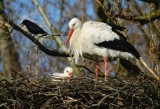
{"points": [[80, 92]]}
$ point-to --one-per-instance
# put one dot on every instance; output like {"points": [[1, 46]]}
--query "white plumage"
{"points": [[68, 73]]}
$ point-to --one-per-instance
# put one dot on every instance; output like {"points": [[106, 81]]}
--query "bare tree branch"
{"points": [[143, 19], [11, 24], [83, 11], [8, 51], [53, 30]]}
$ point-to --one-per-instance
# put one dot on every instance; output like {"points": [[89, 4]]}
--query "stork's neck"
{"points": [[80, 25], [77, 31], [75, 43]]}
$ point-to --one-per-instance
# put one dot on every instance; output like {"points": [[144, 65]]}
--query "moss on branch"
{"points": [[143, 19]]}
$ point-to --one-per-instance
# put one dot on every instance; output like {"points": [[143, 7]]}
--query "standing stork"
{"points": [[98, 38]]}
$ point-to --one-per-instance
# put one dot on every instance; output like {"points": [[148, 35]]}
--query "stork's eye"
{"points": [[67, 70], [73, 24]]}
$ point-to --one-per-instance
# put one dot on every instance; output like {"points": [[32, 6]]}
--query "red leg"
{"points": [[97, 69], [106, 68]]}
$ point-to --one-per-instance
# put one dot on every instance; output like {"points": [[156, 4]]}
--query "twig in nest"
{"points": [[32, 82]]}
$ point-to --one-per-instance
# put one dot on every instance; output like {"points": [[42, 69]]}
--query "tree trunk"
{"points": [[9, 55]]}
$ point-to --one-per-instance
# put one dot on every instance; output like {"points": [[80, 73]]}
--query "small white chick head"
{"points": [[68, 71]]}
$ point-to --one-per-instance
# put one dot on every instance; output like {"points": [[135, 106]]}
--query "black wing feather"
{"points": [[120, 34], [116, 27], [120, 45], [135, 70]]}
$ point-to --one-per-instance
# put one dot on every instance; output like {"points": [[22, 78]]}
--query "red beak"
{"points": [[69, 35], [70, 74]]}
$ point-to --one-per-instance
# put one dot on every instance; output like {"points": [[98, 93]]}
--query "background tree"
{"points": [[139, 17], [9, 55]]}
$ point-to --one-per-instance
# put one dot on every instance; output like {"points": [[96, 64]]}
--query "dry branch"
{"points": [[11, 24], [142, 19], [80, 92]]}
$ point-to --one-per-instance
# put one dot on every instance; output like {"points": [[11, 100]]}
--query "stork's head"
{"points": [[73, 25], [68, 71]]}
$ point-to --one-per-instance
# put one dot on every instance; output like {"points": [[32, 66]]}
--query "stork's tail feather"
{"points": [[134, 69], [151, 71]]}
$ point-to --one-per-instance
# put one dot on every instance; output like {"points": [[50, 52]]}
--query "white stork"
{"points": [[98, 38], [68, 73]]}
